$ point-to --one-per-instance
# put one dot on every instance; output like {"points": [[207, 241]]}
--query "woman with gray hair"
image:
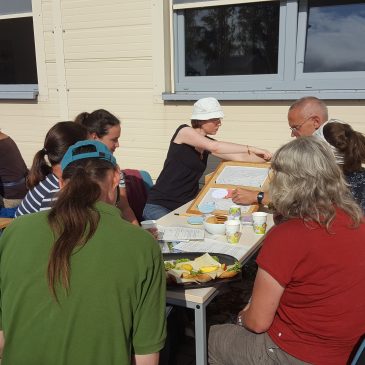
{"points": [[308, 294]]}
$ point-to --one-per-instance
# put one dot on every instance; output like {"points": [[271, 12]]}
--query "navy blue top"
{"points": [[40, 197], [178, 182], [357, 186]]}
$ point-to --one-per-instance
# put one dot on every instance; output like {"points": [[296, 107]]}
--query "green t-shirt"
{"points": [[116, 303]]}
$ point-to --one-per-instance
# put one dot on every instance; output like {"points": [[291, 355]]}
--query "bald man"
{"points": [[305, 117]]}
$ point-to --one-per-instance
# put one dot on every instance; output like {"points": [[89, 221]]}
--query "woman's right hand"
{"points": [[244, 196], [265, 154]]}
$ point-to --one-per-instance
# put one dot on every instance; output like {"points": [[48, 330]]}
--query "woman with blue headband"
{"points": [[78, 283]]}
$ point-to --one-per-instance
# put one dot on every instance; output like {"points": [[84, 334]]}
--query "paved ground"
{"points": [[223, 309]]}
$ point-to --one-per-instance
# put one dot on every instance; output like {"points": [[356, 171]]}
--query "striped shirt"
{"points": [[41, 197]]}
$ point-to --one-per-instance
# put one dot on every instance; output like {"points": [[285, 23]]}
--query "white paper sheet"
{"points": [[212, 246], [243, 175], [221, 203], [182, 233], [219, 193]]}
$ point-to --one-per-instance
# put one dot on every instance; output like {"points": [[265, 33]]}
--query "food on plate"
{"points": [[215, 224], [216, 219], [200, 270], [187, 267], [231, 271], [205, 269]]}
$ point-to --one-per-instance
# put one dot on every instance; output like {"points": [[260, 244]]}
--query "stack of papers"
{"points": [[213, 246], [182, 234]]}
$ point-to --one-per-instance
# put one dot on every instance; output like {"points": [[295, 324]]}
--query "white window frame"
{"points": [[19, 91], [289, 83]]}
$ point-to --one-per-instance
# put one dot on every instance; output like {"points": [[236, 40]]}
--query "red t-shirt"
{"points": [[321, 314]]}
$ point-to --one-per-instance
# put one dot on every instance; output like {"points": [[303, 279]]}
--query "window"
{"points": [[273, 49], [232, 40], [18, 71], [335, 31]]}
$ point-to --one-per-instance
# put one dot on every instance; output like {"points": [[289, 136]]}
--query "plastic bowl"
{"points": [[212, 227]]}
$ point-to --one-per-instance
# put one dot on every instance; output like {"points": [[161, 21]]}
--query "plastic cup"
{"points": [[246, 219], [150, 226], [234, 212], [259, 222], [233, 231]]}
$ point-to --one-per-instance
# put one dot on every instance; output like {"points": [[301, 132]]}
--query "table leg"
{"points": [[200, 334], [200, 324]]}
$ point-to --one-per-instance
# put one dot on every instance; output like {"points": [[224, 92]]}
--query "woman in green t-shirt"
{"points": [[80, 285]]}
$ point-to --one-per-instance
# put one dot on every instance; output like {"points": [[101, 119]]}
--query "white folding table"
{"points": [[198, 299]]}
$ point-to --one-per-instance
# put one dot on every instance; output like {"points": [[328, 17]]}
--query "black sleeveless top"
{"points": [[178, 182]]}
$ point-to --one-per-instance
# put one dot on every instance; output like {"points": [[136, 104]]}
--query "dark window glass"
{"points": [[232, 40], [17, 52], [335, 36]]}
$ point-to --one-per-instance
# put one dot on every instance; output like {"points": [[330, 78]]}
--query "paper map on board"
{"points": [[243, 175]]}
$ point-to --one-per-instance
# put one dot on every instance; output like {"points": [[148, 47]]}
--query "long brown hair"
{"points": [[73, 217], [58, 139], [347, 141]]}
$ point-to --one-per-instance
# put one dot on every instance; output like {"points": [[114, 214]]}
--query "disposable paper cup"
{"points": [[149, 224], [233, 231], [234, 212], [246, 219], [259, 222]]}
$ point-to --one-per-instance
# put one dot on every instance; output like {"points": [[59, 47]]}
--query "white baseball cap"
{"points": [[207, 108]]}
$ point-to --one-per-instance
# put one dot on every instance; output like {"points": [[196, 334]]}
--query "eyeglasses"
{"points": [[297, 127]]}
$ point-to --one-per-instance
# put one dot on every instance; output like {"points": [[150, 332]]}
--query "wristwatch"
{"points": [[260, 196]]}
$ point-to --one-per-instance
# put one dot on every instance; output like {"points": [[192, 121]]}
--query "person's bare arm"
{"points": [[126, 210], [224, 150], [247, 197], [149, 359], [258, 315], [253, 154]]}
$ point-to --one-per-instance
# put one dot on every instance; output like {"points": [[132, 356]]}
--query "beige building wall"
{"points": [[114, 55]]}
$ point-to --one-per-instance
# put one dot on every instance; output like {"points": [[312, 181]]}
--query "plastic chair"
{"points": [[147, 179], [359, 358], [137, 184]]}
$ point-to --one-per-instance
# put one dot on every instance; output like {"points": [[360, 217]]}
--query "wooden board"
{"points": [[230, 175]]}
